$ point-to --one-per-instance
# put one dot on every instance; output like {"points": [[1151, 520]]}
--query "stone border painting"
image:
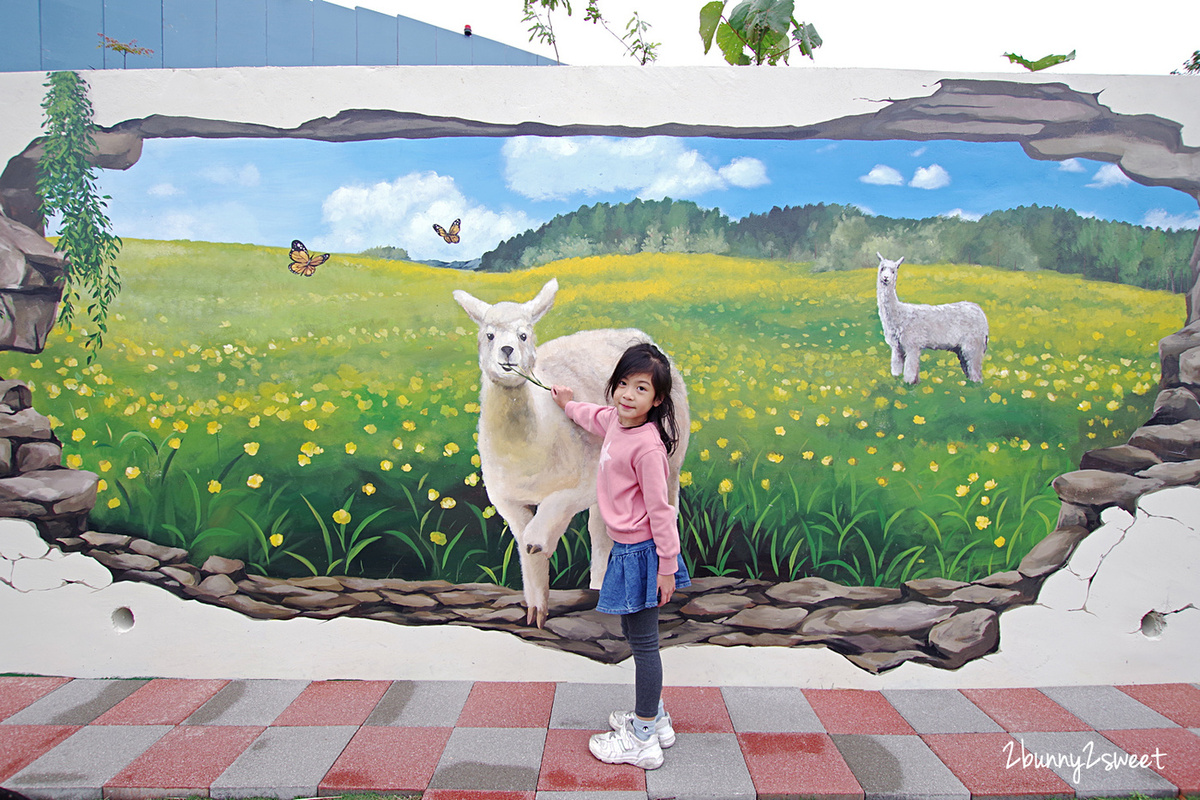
{"points": [[282, 420]]}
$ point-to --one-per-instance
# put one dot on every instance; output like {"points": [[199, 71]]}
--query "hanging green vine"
{"points": [[67, 185]]}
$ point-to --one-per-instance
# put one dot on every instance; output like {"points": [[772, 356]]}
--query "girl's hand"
{"points": [[562, 395], [666, 588]]}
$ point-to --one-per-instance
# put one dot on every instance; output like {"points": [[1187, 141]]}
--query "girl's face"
{"points": [[634, 397]]}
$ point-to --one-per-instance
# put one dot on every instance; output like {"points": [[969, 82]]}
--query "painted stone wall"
{"points": [[1141, 125]]}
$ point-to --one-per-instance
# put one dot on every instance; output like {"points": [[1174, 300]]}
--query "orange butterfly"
{"points": [[303, 263], [451, 236]]}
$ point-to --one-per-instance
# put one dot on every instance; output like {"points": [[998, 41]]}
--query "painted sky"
{"points": [[345, 197]]}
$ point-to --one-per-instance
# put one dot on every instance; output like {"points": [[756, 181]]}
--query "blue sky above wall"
{"points": [[345, 197]]}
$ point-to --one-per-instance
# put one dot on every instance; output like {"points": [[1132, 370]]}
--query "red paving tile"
{"points": [[1180, 753], [334, 703], [1178, 702], [568, 766], [856, 711], [697, 709], [21, 745], [17, 693], [797, 764], [186, 760], [989, 765], [1024, 710], [496, 704], [163, 701], [387, 760], [461, 794]]}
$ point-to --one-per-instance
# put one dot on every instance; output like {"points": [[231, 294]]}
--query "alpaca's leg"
{"points": [[897, 361], [535, 580], [553, 516], [912, 364], [601, 546], [974, 359]]}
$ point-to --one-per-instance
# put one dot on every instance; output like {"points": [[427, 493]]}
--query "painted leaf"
{"points": [[710, 18], [1041, 63]]}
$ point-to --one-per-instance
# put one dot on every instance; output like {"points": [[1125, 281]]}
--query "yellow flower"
{"points": [[736, 455], [328, 407], [982, 522], [766, 483], [780, 430], [437, 537], [409, 425], [341, 516], [775, 458], [311, 424], [898, 466], [132, 472], [822, 421], [685, 479], [450, 449], [311, 449], [725, 486], [180, 426], [419, 448], [368, 489], [872, 450], [385, 465], [951, 448], [993, 447], [918, 420], [807, 455], [697, 425], [174, 443], [403, 467], [434, 494], [77, 434], [303, 460], [370, 428], [721, 443], [999, 541], [852, 461], [74, 461], [933, 466], [861, 424], [214, 486], [214, 426], [961, 490], [114, 502], [827, 460], [1084, 405], [489, 512], [448, 502], [704, 455], [255, 420], [985, 500], [251, 448], [882, 481], [101, 485], [254, 481], [989, 485], [276, 539], [974, 476], [105, 465], [81, 413]]}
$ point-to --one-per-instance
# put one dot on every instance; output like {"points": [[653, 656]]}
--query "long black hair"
{"points": [[646, 358]]}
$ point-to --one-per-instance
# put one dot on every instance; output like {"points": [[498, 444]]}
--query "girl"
{"points": [[644, 568]]}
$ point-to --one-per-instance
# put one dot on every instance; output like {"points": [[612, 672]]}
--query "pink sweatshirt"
{"points": [[632, 482]]}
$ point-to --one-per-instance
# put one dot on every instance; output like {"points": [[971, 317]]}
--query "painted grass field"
{"points": [[325, 425]]}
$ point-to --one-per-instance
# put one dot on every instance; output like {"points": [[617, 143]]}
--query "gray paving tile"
{"points": [[1084, 760], [940, 711], [78, 768], [702, 766], [1106, 708], [284, 762], [499, 759], [774, 709], [248, 703], [898, 768], [586, 706], [590, 796], [75, 703], [434, 704]]}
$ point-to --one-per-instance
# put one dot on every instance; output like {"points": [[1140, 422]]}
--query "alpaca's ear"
{"points": [[881, 258], [474, 307], [538, 306], [900, 261]]}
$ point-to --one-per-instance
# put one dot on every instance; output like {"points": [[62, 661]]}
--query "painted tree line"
{"points": [[837, 237]]}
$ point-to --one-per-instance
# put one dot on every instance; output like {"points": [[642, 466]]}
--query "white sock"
{"points": [[662, 711], [642, 728]]}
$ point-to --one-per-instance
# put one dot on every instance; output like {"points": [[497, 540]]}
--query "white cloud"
{"points": [[654, 167], [225, 175], [1108, 175], [931, 177], [883, 175], [1071, 165], [402, 213], [958, 213], [920, 151], [866, 210], [163, 190], [1161, 218]]}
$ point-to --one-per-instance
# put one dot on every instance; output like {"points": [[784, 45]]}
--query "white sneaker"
{"points": [[662, 726], [623, 747]]}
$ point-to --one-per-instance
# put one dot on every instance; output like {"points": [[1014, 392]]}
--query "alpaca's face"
{"points": [[888, 271], [506, 341]]}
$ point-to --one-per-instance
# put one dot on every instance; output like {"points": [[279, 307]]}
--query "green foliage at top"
{"points": [[837, 237], [539, 17], [1192, 65], [756, 31], [1041, 63], [389, 252], [67, 185]]}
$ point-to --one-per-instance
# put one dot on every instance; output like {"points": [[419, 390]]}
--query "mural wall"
{"points": [[283, 420]]}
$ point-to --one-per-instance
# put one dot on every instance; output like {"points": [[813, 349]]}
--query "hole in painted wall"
{"points": [[122, 620], [1153, 624]]}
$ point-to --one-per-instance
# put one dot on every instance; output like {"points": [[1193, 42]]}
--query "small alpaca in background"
{"points": [[909, 328]]}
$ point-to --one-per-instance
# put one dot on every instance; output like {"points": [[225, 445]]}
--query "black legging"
{"points": [[641, 631]]}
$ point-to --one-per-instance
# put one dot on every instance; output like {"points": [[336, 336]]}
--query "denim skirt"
{"points": [[631, 582]]}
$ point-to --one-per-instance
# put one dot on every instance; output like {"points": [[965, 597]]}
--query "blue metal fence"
{"points": [[46, 35]]}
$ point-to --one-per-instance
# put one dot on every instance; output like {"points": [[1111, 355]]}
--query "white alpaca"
{"points": [[540, 467], [909, 328]]}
